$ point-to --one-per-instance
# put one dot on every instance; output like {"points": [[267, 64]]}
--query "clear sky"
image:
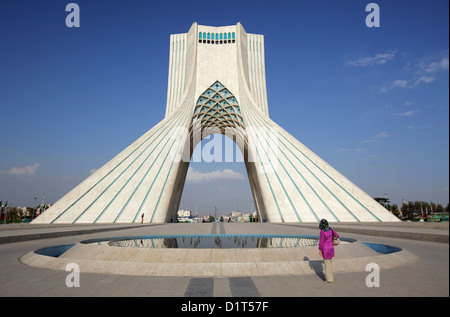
{"points": [[372, 102]]}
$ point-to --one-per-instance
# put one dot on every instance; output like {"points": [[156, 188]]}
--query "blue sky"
{"points": [[372, 102]]}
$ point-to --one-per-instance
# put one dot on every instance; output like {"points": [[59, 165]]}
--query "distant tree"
{"points": [[395, 211], [414, 210], [404, 210], [14, 214], [417, 206], [384, 202], [408, 210]]}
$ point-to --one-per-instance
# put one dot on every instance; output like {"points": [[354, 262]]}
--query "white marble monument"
{"points": [[217, 84]]}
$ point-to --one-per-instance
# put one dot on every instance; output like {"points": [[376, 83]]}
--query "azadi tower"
{"points": [[217, 84]]}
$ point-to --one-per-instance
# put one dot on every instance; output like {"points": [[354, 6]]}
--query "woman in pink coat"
{"points": [[326, 248]]}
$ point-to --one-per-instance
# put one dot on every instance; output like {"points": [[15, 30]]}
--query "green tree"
{"points": [[384, 202], [395, 211]]}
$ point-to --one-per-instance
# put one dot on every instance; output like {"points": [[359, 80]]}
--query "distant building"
{"points": [[184, 216], [184, 213], [236, 214]]}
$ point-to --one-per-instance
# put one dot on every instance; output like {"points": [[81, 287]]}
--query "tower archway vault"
{"points": [[216, 84]]}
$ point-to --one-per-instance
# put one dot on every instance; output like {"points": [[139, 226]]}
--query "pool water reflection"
{"points": [[211, 241]]}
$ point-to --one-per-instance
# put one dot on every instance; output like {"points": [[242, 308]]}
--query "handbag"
{"points": [[336, 240]]}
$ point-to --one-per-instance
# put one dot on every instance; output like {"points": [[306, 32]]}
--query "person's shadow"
{"points": [[316, 266]]}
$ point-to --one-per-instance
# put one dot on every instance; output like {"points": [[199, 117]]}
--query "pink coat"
{"points": [[326, 243]]}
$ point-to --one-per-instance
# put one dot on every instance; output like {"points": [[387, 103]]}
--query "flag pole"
{"points": [[431, 206], [421, 212]]}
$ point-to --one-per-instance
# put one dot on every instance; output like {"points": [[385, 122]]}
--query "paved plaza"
{"points": [[427, 275]]}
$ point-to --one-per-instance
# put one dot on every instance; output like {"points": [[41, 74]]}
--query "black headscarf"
{"points": [[323, 225]]}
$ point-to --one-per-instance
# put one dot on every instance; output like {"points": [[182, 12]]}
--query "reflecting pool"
{"points": [[221, 241]]}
